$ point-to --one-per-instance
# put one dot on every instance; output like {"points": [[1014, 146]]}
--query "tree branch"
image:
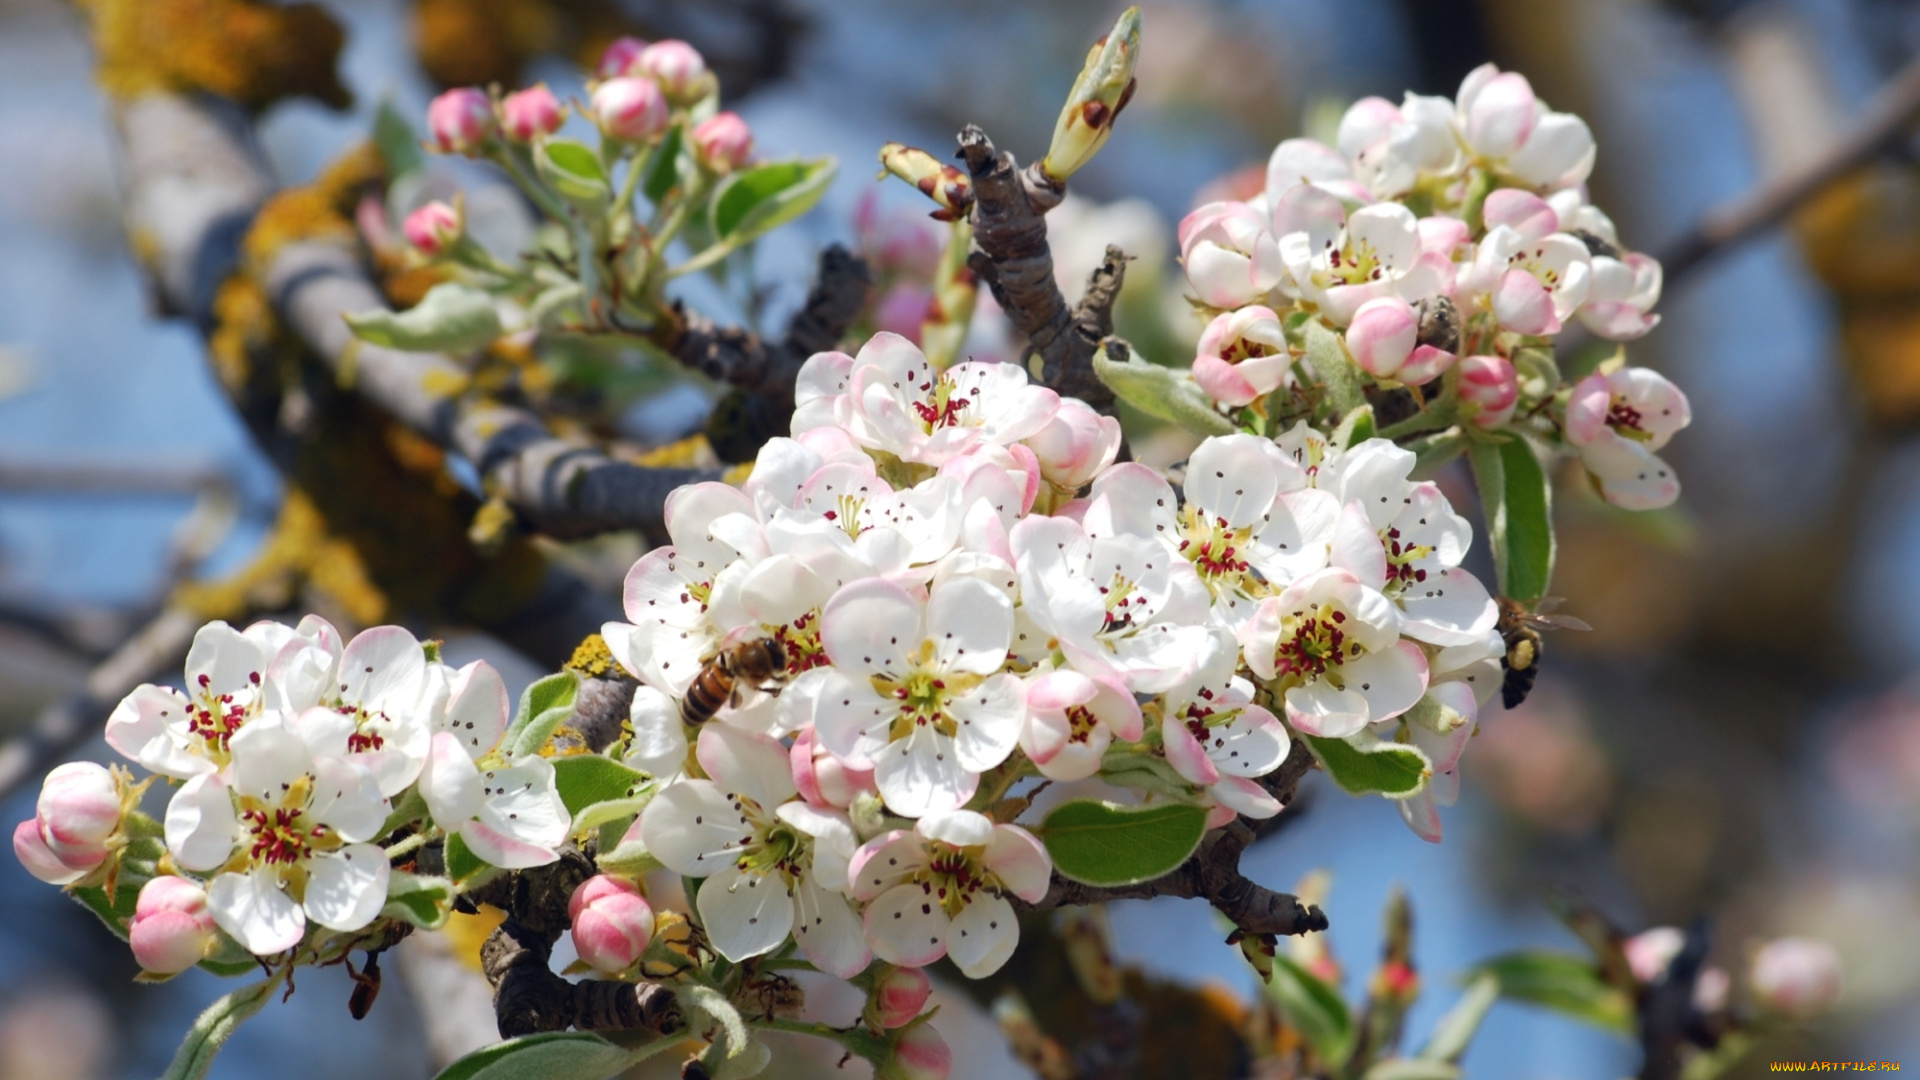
{"points": [[1886, 119], [1012, 256]]}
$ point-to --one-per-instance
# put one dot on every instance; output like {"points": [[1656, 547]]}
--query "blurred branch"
{"points": [[103, 478], [62, 727], [1013, 257], [1883, 124]]}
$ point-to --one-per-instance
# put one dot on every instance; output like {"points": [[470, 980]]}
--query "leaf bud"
{"points": [[1105, 85], [942, 183]]}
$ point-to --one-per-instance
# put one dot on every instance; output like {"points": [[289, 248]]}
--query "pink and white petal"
{"points": [[690, 514], [783, 464], [1651, 488], [745, 914], [383, 668], [1044, 736], [899, 359], [959, 828], [1390, 230], [1322, 710], [300, 675], [903, 926], [1421, 815], [824, 375], [1245, 797], [983, 936], [1356, 547], [1617, 320], [1186, 755], [30, 847], [833, 838], [1587, 408], [884, 862], [922, 774], [1392, 680], [869, 627], [1224, 382], [970, 623], [989, 718], [1235, 477], [1140, 501], [346, 798], [693, 827], [478, 708], [1020, 861], [450, 782], [227, 659], [347, 888], [1500, 116], [1523, 305], [266, 756], [1559, 151], [1451, 607], [746, 763], [1253, 744], [1077, 759], [525, 805], [827, 931], [256, 912], [142, 730], [201, 823], [850, 719], [1117, 709]]}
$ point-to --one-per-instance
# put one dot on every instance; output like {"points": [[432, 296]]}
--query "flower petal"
{"points": [[1020, 861], [746, 763], [922, 774], [347, 888], [256, 912], [989, 719], [983, 936], [745, 914], [201, 823], [383, 668], [450, 782], [1392, 680], [694, 828], [884, 862], [970, 623], [1320, 709], [903, 926], [828, 931], [869, 627]]}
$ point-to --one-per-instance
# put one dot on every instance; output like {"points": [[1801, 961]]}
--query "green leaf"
{"points": [[708, 1008], [595, 814], [1356, 427], [1101, 843], [398, 145], [1456, 1029], [1167, 393], [585, 779], [664, 170], [575, 171], [546, 705], [421, 900], [1367, 765], [1327, 352], [754, 202], [463, 865], [1518, 503], [1569, 985], [451, 318], [630, 859], [1312, 1007], [553, 1055], [213, 1028], [1433, 451], [1412, 1069]]}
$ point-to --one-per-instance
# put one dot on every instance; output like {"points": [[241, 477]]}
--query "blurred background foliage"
{"points": [[1739, 737]]}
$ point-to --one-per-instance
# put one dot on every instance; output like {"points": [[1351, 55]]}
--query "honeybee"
{"points": [[1520, 629], [759, 664]]}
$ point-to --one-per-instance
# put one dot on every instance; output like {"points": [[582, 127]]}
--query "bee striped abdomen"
{"points": [[710, 690]]}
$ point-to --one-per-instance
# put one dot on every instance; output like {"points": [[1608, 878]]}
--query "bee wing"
{"points": [[1548, 605], [1563, 622]]}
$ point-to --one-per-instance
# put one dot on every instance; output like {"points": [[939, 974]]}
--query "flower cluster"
{"points": [[943, 584], [1448, 242], [291, 750]]}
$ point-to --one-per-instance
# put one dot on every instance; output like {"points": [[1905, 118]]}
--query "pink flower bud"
{"points": [[460, 121], [1242, 356], [530, 113], [1522, 211], [612, 923], [902, 309], [1489, 388], [1382, 335], [1425, 365], [1711, 989], [434, 227], [921, 1054], [31, 849], [1075, 445], [619, 58], [79, 809], [172, 929], [630, 109], [1649, 952], [1796, 976], [677, 66], [824, 780], [898, 997], [723, 141]]}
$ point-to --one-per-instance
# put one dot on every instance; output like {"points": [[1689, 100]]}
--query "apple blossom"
{"points": [[1299, 163], [916, 691], [1231, 256], [822, 779], [1391, 147], [678, 69], [1489, 389], [1531, 286], [1626, 286], [612, 923], [723, 142], [1616, 421], [434, 228], [669, 593], [461, 121], [1071, 720], [940, 889], [898, 996], [1796, 976], [528, 114], [172, 930], [773, 866], [630, 109], [1500, 120], [1243, 356]]}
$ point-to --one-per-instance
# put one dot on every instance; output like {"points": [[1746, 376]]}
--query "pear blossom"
{"points": [[172, 930], [1391, 147], [1072, 719], [1338, 261], [1333, 646], [1215, 737], [507, 810], [1405, 541], [1242, 356], [1616, 421], [74, 823], [1461, 679], [1626, 286], [1299, 163], [1796, 976], [184, 734], [898, 997], [916, 692], [773, 866], [612, 923], [940, 889], [1074, 446], [285, 829], [1531, 286], [1231, 256], [378, 682], [822, 779], [1500, 120]]}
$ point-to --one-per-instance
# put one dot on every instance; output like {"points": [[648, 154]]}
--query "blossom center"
{"points": [[953, 875], [1626, 420], [1352, 263], [1533, 262], [1402, 556], [772, 847], [1080, 723], [922, 695], [1312, 642], [1215, 550], [213, 718], [941, 405]]}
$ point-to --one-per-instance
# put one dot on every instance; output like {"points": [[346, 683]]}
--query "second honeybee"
{"points": [[759, 664]]}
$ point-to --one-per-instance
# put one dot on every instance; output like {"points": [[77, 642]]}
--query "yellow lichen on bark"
{"points": [[592, 658], [478, 42], [249, 51]]}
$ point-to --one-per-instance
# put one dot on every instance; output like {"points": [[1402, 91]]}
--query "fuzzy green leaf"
{"points": [[1518, 502], [753, 202], [1167, 393], [1101, 843], [665, 165], [1311, 1007], [1327, 352], [575, 171], [1456, 1029], [395, 139], [421, 900], [1364, 765], [544, 706], [213, 1028], [574, 1055], [1569, 985], [450, 318], [586, 779]]}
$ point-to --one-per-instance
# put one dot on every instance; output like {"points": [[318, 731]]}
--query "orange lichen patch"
{"points": [[249, 51], [1883, 352], [244, 327], [298, 551], [405, 285], [320, 210], [592, 658]]}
